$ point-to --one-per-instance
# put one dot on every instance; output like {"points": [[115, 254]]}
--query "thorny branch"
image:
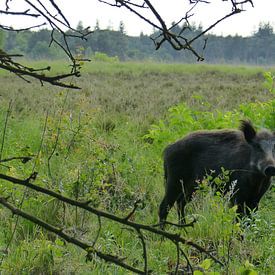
{"points": [[175, 238], [178, 40]]}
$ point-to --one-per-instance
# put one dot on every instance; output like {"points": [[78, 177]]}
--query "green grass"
{"points": [[138, 68], [102, 156], [143, 89]]}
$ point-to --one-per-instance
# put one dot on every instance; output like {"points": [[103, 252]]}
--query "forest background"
{"points": [[235, 49]]}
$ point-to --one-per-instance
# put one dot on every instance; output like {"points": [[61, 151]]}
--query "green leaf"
{"points": [[206, 264]]}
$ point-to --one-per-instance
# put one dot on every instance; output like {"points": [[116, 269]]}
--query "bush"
{"points": [[103, 57], [182, 119]]}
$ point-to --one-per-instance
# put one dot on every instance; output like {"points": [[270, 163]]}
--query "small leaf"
{"points": [[247, 264], [206, 264]]}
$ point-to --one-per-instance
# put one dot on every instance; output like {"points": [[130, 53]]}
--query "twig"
{"points": [[23, 159], [178, 257], [41, 141], [141, 237], [176, 40], [1, 152], [133, 211], [88, 248], [98, 231], [84, 205], [57, 22], [57, 136], [5, 128], [54, 80], [189, 266], [191, 224]]}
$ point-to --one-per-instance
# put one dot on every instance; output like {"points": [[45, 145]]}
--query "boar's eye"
{"points": [[257, 146], [264, 146]]}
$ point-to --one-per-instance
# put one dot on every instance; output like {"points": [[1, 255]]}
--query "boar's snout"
{"points": [[269, 171]]}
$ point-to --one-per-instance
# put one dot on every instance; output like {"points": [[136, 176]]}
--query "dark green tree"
{"points": [[2, 38], [265, 30]]}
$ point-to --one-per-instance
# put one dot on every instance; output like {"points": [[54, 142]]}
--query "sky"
{"points": [[89, 11], [206, 14]]}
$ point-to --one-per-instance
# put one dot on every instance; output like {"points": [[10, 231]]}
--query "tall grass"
{"points": [[102, 155]]}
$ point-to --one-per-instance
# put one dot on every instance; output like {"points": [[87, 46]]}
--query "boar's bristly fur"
{"points": [[248, 155]]}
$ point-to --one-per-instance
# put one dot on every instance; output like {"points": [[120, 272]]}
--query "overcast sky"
{"points": [[243, 24], [89, 11]]}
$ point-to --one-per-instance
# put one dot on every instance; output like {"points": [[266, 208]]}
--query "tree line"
{"points": [[259, 48]]}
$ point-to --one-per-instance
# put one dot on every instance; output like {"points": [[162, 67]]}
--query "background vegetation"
{"points": [[104, 144], [259, 48]]}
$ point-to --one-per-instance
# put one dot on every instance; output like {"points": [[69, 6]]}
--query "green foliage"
{"points": [[34, 257], [41, 50], [103, 57], [269, 81], [182, 119], [97, 150], [2, 38]]}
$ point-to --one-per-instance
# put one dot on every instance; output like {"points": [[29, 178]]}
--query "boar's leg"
{"points": [[250, 207], [181, 202], [245, 208], [172, 193]]}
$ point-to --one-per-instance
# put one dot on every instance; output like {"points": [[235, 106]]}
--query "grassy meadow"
{"points": [[104, 143]]}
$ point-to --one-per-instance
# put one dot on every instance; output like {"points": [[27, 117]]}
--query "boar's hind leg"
{"points": [[172, 193], [245, 208], [181, 202]]}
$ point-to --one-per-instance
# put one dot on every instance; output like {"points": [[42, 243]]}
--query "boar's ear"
{"points": [[248, 130]]}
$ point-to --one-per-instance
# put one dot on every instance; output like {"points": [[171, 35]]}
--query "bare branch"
{"points": [[11, 29], [176, 40], [141, 237], [5, 128], [88, 248], [133, 211], [58, 23], [191, 224], [84, 205], [23, 13], [27, 71], [23, 159]]}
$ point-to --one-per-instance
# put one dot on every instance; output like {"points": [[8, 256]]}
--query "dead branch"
{"points": [[58, 231], [7, 63], [177, 40], [49, 15], [23, 159], [85, 205], [5, 128], [141, 237]]}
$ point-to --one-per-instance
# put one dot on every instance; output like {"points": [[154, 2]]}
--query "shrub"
{"points": [[182, 119], [103, 57]]}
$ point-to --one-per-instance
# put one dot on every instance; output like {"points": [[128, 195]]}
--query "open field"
{"points": [[94, 148], [136, 89]]}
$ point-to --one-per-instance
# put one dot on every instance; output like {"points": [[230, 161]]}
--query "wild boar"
{"points": [[249, 156]]}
